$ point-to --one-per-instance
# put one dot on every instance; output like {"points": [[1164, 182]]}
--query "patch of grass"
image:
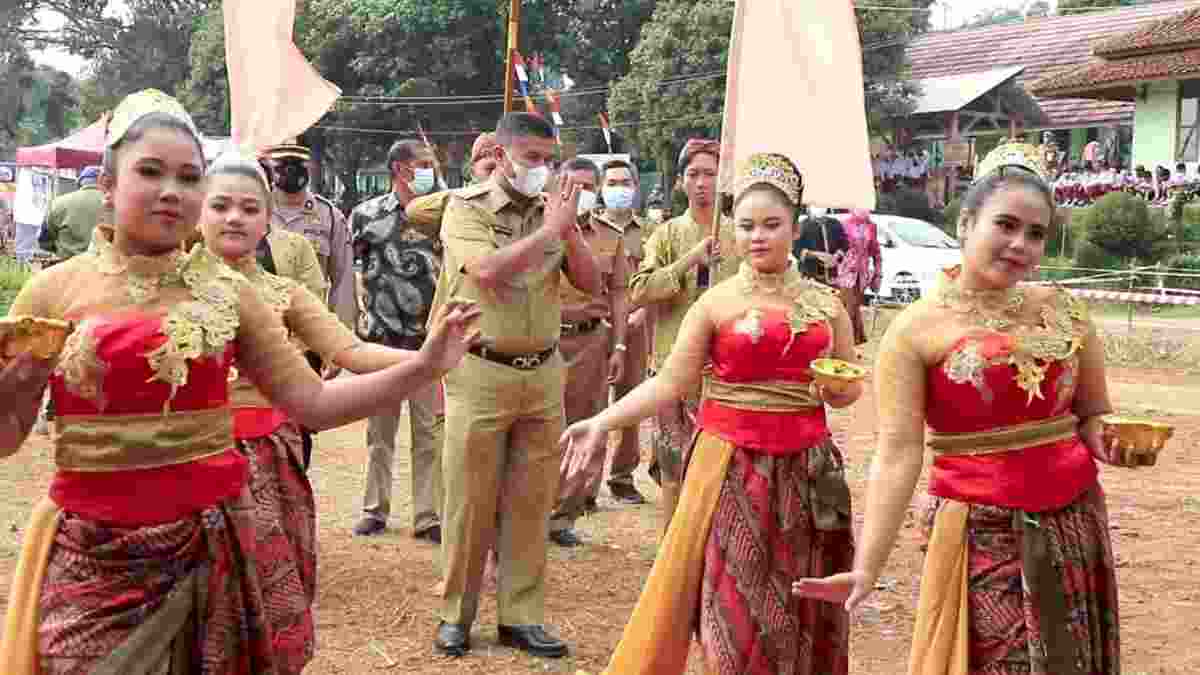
{"points": [[13, 275]]}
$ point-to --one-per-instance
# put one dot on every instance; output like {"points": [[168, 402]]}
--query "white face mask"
{"points": [[618, 197], [422, 182], [529, 181], [587, 201]]}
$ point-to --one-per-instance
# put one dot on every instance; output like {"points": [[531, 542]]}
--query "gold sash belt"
{"points": [[1004, 439], [770, 396], [125, 442]]}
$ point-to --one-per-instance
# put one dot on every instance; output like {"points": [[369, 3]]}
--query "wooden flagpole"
{"points": [[514, 33]]}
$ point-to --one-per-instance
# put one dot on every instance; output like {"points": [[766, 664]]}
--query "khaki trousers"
{"points": [[585, 395], [427, 424], [500, 472]]}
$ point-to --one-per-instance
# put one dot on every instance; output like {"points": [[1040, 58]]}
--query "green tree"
{"points": [[1120, 225], [131, 45], [675, 88], [391, 50]]}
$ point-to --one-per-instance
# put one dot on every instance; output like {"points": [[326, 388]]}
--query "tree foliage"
{"points": [[390, 50], [1120, 225], [675, 88]]}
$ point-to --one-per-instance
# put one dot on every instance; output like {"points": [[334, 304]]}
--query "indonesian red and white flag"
{"points": [[606, 130], [274, 92], [795, 87], [522, 74], [555, 106]]}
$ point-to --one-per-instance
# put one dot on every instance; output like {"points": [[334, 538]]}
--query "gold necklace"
{"points": [[995, 310]]}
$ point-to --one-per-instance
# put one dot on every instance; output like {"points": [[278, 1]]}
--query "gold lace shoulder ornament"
{"points": [[200, 327], [811, 302], [1056, 334]]}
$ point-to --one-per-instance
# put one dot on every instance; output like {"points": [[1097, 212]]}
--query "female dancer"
{"points": [[765, 499], [860, 268], [234, 219], [143, 559], [1010, 380]]}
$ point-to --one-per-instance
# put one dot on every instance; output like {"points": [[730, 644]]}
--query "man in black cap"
{"points": [[302, 211]]}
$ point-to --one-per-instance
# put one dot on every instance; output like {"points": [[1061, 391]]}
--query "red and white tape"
{"points": [[1124, 296]]}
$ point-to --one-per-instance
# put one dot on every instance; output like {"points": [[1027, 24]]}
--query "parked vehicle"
{"points": [[914, 251]]}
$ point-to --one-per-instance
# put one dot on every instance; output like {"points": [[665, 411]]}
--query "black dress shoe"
{"points": [[566, 538], [433, 534], [453, 639], [369, 527], [626, 494], [533, 640]]}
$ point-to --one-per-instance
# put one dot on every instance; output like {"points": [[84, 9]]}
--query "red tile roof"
{"points": [[1116, 79], [1043, 46], [1181, 30]]}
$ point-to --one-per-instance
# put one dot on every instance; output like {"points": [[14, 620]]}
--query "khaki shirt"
{"points": [[524, 315], [326, 228], [69, 224], [295, 259], [607, 243], [662, 281]]}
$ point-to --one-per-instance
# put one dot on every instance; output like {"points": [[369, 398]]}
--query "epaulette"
{"points": [[475, 191]]}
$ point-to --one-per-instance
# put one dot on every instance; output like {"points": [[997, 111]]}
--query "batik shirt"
{"points": [[400, 263]]}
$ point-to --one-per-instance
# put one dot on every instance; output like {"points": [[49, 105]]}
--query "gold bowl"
{"points": [[44, 338], [836, 376], [1133, 441]]}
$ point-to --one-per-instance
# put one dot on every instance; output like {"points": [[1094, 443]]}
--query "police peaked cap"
{"points": [[288, 150]]}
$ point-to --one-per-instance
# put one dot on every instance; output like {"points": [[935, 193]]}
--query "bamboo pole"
{"points": [[514, 32]]}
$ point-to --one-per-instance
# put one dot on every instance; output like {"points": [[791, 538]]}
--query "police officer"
{"points": [[300, 210], [505, 247], [593, 337]]}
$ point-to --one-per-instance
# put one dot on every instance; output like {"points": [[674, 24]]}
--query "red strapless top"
{"points": [[975, 389], [154, 495], [760, 347]]}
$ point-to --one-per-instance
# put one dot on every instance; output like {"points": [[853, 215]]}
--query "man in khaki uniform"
{"points": [[593, 338], [505, 246], [288, 254], [300, 210], [667, 281], [619, 193]]}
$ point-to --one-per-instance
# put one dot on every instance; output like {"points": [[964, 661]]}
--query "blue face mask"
{"points": [[422, 182], [618, 197]]}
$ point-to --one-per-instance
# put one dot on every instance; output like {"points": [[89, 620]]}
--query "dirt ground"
{"points": [[376, 611]]}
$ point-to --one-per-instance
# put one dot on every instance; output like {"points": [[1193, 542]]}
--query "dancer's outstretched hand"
{"points": [[582, 443], [451, 335], [848, 588]]}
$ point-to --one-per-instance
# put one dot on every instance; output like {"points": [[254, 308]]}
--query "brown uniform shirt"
{"points": [[607, 243], [326, 228], [295, 258], [522, 316]]}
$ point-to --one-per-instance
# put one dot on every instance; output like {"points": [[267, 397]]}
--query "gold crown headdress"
{"points": [[136, 106], [772, 169], [1021, 155], [241, 156]]}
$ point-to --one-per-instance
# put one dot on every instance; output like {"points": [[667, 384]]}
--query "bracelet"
{"points": [[620, 347]]}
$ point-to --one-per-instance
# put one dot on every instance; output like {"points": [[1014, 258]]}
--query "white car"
{"points": [[914, 251]]}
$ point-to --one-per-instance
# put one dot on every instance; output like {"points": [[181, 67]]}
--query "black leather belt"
{"points": [[580, 327], [518, 361]]}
